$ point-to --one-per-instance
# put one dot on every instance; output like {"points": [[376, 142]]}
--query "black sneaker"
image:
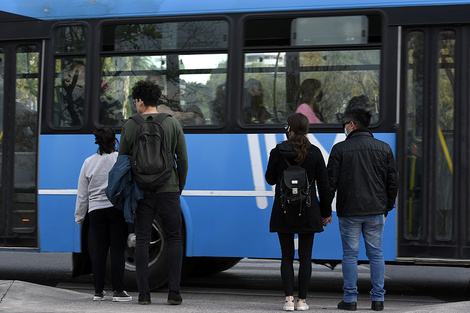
{"points": [[174, 297], [377, 305], [121, 296], [348, 306], [144, 299], [99, 296]]}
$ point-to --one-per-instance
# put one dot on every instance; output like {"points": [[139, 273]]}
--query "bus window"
{"points": [[336, 76], [191, 91], [69, 91], [192, 84], [445, 138], [185, 35], [24, 217], [321, 83], [69, 85], [414, 140]]}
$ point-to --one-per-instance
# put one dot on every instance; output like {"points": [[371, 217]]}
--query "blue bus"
{"points": [[67, 68]]}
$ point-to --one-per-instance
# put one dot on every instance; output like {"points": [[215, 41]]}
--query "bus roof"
{"points": [[70, 9]]}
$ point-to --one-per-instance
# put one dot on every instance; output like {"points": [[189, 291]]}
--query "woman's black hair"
{"points": [[105, 138], [299, 125]]}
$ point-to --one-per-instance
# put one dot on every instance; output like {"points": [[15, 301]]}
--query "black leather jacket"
{"points": [[362, 170]]}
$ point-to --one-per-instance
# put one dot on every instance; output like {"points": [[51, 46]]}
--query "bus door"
{"points": [[19, 125], [433, 221]]}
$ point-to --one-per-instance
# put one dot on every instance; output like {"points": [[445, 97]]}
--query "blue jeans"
{"points": [[372, 229], [167, 206]]}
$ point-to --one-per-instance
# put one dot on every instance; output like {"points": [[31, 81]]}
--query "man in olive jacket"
{"points": [[164, 200], [362, 170]]}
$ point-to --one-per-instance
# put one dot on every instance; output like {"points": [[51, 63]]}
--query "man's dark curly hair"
{"points": [[147, 91]]}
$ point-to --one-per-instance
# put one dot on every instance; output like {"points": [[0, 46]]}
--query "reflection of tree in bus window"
{"points": [[253, 107], [110, 108], [171, 103], [170, 91], [73, 92], [310, 99]]}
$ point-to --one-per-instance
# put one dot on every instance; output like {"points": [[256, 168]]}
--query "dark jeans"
{"points": [[287, 263], [167, 206], [109, 232]]}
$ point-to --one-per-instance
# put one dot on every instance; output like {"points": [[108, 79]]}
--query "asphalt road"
{"points": [[252, 285]]}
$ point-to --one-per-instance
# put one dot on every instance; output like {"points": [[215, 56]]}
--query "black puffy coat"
{"points": [[362, 170], [316, 172]]}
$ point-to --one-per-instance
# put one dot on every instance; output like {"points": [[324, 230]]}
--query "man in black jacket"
{"points": [[362, 170]]}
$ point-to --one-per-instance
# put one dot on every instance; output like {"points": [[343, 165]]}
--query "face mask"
{"points": [[287, 134], [345, 132]]}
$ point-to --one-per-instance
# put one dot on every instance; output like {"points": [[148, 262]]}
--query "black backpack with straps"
{"points": [[295, 194], [151, 159]]}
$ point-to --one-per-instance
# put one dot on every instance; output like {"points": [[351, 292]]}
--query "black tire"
{"points": [[207, 266]]}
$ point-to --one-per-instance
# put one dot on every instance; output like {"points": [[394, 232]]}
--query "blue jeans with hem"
{"points": [[371, 227], [167, 205]]}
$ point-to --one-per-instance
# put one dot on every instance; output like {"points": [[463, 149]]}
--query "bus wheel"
{"points": [[158, 259]]}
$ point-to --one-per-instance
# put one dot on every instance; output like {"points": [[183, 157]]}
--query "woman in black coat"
{"points": [[298, 151]]}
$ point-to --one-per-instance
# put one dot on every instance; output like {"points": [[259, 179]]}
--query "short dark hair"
{"points": [[360, 116], [147, 91]]}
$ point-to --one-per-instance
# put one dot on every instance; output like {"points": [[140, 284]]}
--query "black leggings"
{"points": [[109, 231], [287, 263]]}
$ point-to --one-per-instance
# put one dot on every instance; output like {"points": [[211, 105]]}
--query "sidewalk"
{"points": [[23, 297]]}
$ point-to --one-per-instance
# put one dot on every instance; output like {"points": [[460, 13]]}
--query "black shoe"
{"points": [[377, 305], [144, 299], [348, 306], [174, 297], [121, 296]]}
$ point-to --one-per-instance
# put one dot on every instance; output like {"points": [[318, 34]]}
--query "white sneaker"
{"points": [[301, 305], [288, 306]]}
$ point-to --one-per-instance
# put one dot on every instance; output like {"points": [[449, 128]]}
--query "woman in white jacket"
{"points": [[107, 224]]}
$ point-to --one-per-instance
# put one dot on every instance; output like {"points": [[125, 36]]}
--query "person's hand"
{"points": [[326, 220]]}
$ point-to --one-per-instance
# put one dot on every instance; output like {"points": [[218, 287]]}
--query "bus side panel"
{"points": [[58, 231], [239, 226], [60, 160]]}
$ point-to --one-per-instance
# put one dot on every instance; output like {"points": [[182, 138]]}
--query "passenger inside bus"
{"points": [[254, 111], [364, 102], [310, 100]]}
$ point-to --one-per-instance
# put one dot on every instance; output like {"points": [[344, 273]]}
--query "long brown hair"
{"points": [[299, 125], [105, 138]]}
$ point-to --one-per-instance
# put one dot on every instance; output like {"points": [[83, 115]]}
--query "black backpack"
{"points": [[295, 194], [151, 160]]}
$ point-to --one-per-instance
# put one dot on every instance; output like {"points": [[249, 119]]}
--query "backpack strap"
{"points": [[160, 117], [138, 118]]}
